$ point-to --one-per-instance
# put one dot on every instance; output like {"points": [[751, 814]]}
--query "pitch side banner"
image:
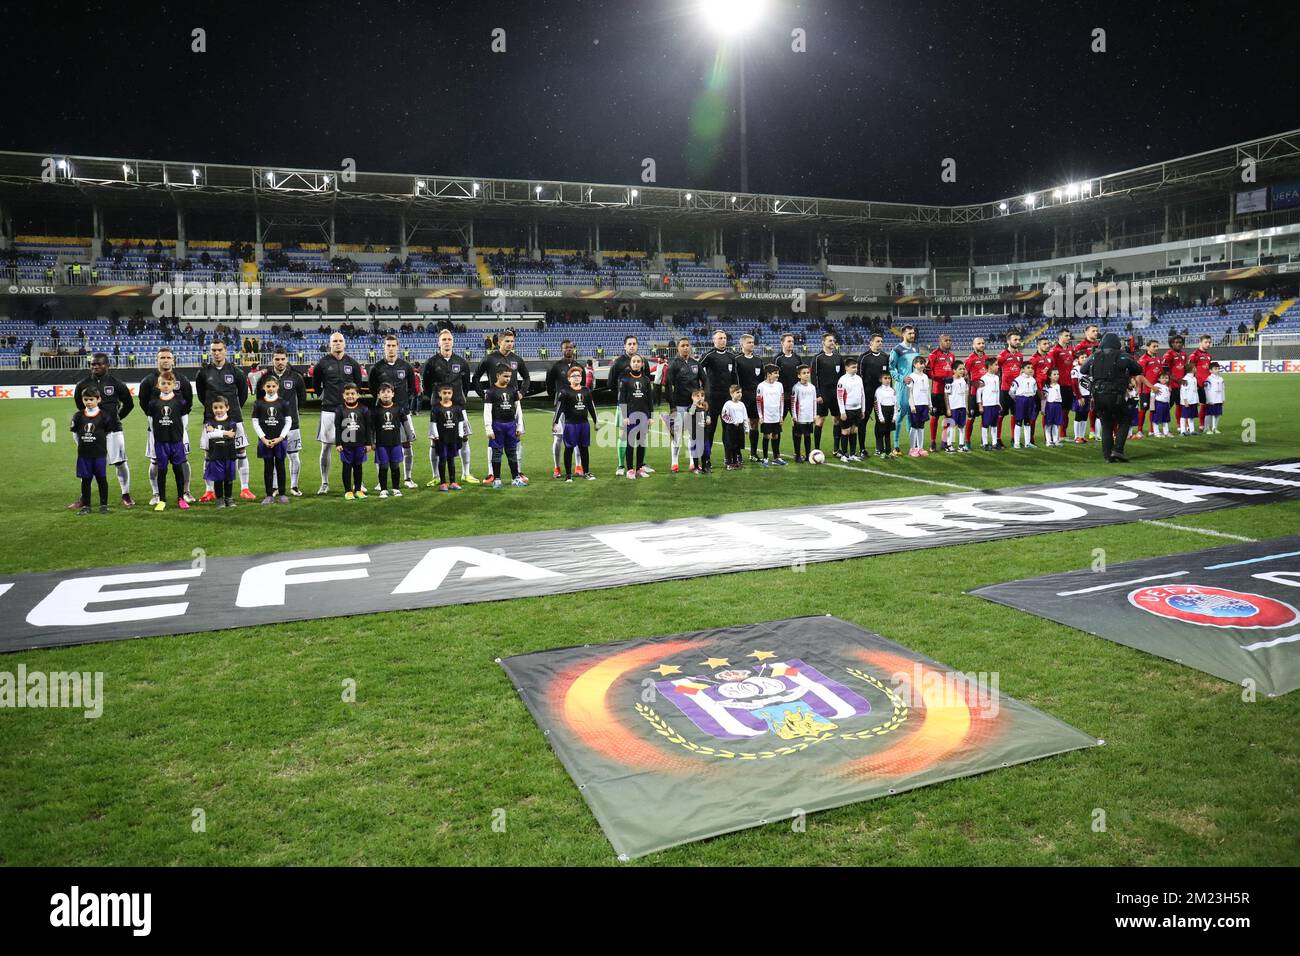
{"points": [[680, 738], [73, 607], [1230, 612]]}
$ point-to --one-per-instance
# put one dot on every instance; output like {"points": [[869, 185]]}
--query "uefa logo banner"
{"points": [[1230, 612]]}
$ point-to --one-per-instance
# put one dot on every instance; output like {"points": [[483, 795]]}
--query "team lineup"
{"points": [[897, 391]]}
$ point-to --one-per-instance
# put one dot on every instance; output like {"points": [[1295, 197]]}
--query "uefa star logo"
{"points": [[1214, 607]]}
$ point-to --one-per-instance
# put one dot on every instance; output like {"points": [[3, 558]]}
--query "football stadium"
{"points": [[358, 517]]}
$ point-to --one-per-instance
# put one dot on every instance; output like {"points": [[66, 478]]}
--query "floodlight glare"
{"points": [[1056, 194], [1002, 207], [732, 17], [1030, 200], [537, 190], [1072, 191], [688, 197], [270, 177], [635, 194], [476, 187]]}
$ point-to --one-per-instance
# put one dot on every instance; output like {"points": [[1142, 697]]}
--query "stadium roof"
{"points": [[275, 190]]}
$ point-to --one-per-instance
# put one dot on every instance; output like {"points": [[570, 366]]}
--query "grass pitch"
{"points": [[248, 725]]}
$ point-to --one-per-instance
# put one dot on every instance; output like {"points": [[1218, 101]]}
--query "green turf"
{"points": [[248, 724]]}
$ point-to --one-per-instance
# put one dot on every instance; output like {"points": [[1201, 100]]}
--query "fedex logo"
{"points": [[52, 391]]}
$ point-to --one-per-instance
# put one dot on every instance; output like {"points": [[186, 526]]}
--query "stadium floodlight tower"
{"points": [[732, 20]]}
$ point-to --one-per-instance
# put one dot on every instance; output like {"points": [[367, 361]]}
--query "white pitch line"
{"points": [[1120, 584], [1212, 534], [890, 474]]}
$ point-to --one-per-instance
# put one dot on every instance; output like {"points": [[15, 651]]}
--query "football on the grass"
{"points": [[816, 456]]}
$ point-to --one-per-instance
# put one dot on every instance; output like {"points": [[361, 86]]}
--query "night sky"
{"points": [[586, 90]]}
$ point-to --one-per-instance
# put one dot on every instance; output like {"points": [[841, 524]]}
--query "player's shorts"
{"points": [[853, 418], [1007, 405], [325, 430], [353, 454], [1053, 414], [802, 428], [408, 428], [1025, 409], [1067, 398], [293, 443], [1200, 394], [169, 453], [447, 450], [115, 447], [505, 436], [972, 404], [1082, 404], [919, 415], [958, 416], [826, 407], [148, 436], [219, 470], [241, 439], [939, 402], [91, 468], [386, 455], [1215, 409], [636, 429], [989, 416], [577, 436], [770, 428], [1175, 395], [276, 452], [750, 400]]}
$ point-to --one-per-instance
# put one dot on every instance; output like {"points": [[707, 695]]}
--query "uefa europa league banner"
{"points": [[1230, 612], [680, 738], [74, 607]]}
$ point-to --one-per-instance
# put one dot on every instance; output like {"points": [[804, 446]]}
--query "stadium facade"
{"points": [[1216, 236]]}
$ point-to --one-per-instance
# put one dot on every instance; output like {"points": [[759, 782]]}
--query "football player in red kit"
{"points": [[1091, 339], [1200, 361], [939, 367], [1062, 356], [976, 364], [1010, 359], [1174, 362], [1041, 363], [1151, 369]]}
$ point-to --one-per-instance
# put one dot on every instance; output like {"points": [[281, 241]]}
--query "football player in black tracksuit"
{"points": [[873, 364], [115, 400], [222, 378], [557, 380], [683, 379], [396, 371], [148, 389], [330, 373], [293, 393], [749, 369], [827, 367], [620, 369], [445, 367], [485, 375], [718, 368]]}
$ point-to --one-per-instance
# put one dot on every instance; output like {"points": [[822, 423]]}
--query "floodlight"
{"points": [[1030, 200], [732, 17]]}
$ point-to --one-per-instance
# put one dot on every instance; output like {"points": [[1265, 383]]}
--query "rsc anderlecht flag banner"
{"points": [[1230, 612], [679, 738]]}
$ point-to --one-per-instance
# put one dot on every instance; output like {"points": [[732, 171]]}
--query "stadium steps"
{"points": [[484, 273], [1277, 313]]}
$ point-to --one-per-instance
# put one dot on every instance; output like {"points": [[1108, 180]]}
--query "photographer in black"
{"points": [[1111, 370]]}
